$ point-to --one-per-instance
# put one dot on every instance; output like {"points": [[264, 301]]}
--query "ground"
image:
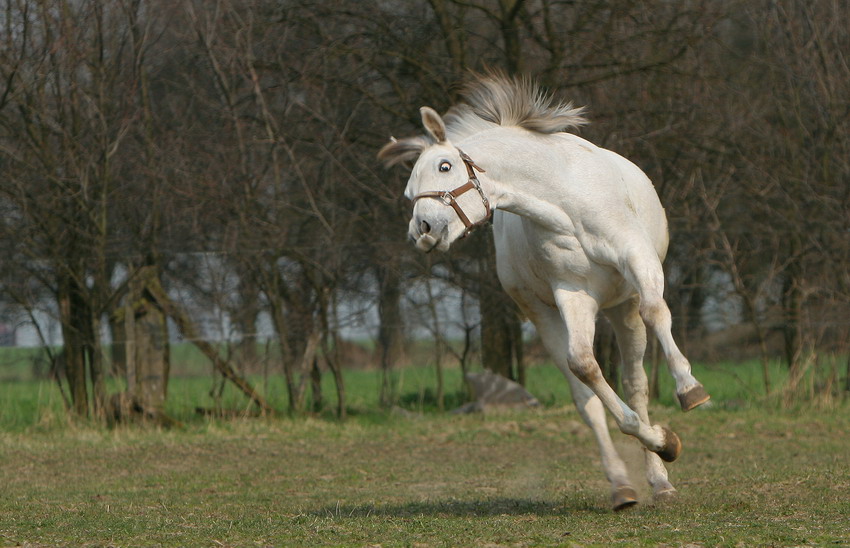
{"points": [[750, 477]]}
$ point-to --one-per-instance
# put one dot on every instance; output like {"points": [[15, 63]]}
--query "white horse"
{"points": [[578, 229]]}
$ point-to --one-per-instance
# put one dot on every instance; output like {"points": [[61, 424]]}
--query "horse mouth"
{"points": [[426, 243]]}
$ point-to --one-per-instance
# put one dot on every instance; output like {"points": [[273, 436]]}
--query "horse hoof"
{"points": [[672, 446], [624, 497], [665, 497], [693, 397]]}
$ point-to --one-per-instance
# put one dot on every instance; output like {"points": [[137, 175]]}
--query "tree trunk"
{"points": [[689, 300], [655, 365], [146, 347], [518, 347], [390, 331], [245, 318], [118, 350], [301, 370], [332, 355], [332, 359], [501, 329], [453, 34], [847, 375], [316, 386], [298, 335], [496, 334], [605, 350], [792, 304], [509, 11], [96, 368], [73, 315], [439, 351]]}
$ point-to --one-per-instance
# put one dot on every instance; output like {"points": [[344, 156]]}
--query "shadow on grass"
{"points": [[465, 508]]}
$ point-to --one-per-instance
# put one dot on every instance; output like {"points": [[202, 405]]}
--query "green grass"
{"points": [[26, 403], [751, 474], [18, 363], [746, 478]]}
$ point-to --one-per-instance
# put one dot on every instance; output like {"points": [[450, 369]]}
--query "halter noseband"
{"points": [[449, 197]]}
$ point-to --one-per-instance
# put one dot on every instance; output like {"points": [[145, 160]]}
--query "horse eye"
{"points": [[445, 167]]}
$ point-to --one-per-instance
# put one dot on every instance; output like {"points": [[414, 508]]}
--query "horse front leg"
{"points": [[578, 311], [554, 337], [623, 495]]}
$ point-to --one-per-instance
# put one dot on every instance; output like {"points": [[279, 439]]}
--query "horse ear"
{"points": [[400, 151], [433, 124]]}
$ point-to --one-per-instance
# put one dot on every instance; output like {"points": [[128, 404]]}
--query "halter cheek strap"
{"points": [[449, 197]]}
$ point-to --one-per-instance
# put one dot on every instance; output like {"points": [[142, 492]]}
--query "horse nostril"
{"points": [[424, 227]]}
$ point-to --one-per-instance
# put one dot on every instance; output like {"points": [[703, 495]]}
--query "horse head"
{"points": [[444, 209]]}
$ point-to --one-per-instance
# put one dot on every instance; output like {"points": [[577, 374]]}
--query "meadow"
{"points": [[753, 472]]}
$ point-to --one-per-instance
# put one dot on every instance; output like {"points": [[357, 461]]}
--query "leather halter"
{"points": [[449, 197]]}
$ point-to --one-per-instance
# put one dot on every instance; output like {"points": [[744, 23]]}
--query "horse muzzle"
{"points": [[428, 237]]}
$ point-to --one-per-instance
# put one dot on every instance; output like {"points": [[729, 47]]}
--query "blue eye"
{"points": [[445, 167]]}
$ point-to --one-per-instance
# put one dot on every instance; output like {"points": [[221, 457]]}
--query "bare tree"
{"points": [[148, 146], [71, 72]]}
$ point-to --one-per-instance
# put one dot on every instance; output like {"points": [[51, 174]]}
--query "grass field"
{"points": [[751, 474], [26, 403]]}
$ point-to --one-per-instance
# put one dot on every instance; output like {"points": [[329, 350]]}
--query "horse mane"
{"points": [[491, 100], [495, 99]]}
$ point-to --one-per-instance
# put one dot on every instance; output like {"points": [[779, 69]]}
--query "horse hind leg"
{"points": [[631, 340], [644, 272]]}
